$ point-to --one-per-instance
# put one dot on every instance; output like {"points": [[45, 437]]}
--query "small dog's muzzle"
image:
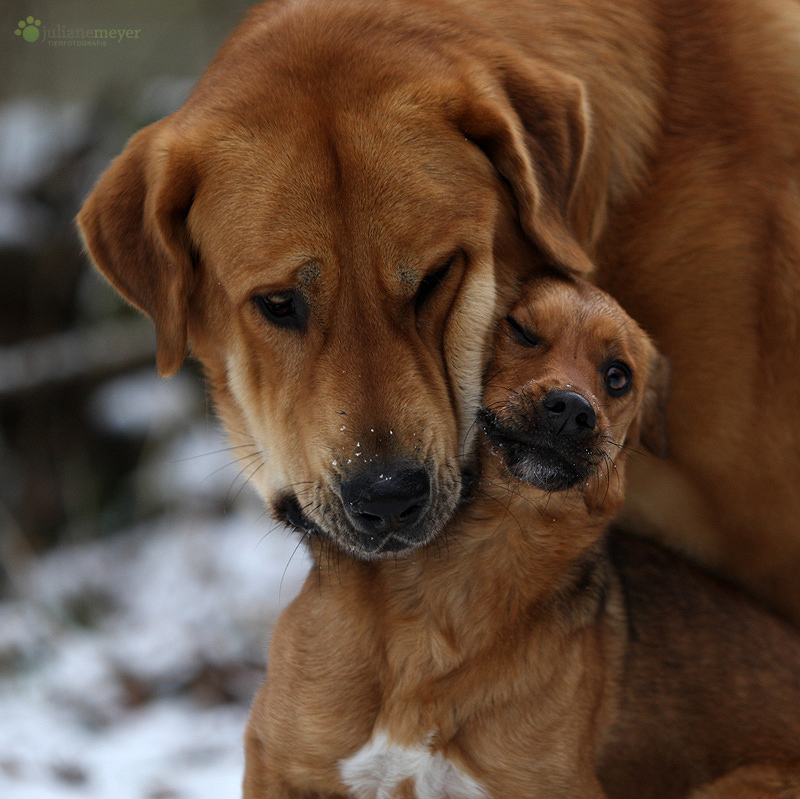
{"points": [[549, 442]]}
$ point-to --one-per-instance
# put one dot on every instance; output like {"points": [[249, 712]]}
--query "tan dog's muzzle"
{"points": [[380, 508]]}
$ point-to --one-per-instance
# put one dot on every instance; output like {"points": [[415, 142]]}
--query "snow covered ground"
{"points": [[127, 665]]}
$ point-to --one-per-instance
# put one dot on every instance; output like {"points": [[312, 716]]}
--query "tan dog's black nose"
{"points": [[387, 500], [568, 413]]}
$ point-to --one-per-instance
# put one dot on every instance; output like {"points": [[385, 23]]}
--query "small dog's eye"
{"points": [[524, 336], [618, 378], [283, 308], [430, 283]]}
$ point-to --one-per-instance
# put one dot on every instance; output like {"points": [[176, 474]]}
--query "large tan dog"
{"points": [[354, 190], [528, 655]]}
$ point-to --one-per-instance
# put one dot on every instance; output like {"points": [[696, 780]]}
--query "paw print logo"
{"points": [[28, 29]]}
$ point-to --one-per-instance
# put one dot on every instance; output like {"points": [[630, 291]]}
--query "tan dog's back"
{"points": [[710, 683]]}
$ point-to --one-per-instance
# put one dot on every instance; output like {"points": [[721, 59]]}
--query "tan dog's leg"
{"points": [[754, 782], [256, 782], [258, 785]]}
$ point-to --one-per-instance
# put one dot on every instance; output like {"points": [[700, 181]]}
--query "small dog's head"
{"points": [[574, 383]]}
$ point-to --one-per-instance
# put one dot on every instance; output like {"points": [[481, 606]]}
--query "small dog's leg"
{"points": [[754, 782], [595, 791]]}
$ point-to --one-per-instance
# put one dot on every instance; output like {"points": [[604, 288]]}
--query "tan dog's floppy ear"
{"points": [[652, 421], [134, 227], [534, 129]]}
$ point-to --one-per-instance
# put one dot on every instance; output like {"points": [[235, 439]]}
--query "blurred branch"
{"points": [[107, 347], [15, 551]]}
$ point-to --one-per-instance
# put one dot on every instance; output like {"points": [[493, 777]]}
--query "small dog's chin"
{"points": [[548, 476], [545, 477]]}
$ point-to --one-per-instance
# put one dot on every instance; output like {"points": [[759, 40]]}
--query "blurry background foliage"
{"points": [[139, 577], [76, 439]]}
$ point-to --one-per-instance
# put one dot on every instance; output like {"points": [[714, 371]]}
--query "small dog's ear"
{"points": [[134, 227], [652, 422]]}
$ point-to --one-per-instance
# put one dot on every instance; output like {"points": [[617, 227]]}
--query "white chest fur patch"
{"points": [[375, 771]]}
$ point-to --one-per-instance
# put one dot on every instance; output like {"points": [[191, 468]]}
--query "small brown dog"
{"points": [[525, 653]]}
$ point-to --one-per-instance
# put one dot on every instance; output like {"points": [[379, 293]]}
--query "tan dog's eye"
{"points": [[283, 308], [522, 334], [430, 283], [618, 378]]}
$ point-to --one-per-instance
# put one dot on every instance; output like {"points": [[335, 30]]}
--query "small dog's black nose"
{"points": [[388, 499], [568, 413]]}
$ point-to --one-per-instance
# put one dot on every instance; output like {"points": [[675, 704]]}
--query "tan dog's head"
{"points": [[334, 221], [574, 384]]}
